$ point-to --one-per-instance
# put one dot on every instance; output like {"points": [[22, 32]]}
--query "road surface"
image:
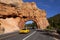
{"points": [[33, 35]]}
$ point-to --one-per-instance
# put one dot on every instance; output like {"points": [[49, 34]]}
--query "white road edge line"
{"points": [[7, 36], [29, 35]]}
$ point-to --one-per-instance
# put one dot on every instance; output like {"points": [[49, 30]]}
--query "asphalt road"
{"points": [[33, 35]]}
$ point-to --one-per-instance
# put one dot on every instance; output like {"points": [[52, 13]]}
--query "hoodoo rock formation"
{"points": [[14, 14]]}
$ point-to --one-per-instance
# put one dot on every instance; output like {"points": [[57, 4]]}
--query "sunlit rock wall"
{"points": [[23, 11], [9, 24]]}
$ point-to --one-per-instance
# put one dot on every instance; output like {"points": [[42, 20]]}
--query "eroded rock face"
{"points": [[10, 24], [16, 13], [11, 1]]}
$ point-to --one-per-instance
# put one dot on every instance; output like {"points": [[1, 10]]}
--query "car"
{"points": [[24, 31]]}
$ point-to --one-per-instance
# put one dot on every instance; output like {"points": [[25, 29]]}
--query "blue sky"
{"points": [[29, 22], [52, 7]]}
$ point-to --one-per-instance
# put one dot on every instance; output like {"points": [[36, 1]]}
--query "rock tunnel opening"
{"points": [[31, 24]]}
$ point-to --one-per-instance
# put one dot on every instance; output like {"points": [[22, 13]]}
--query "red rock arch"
{"points": [[25, 11], [36, 20]]}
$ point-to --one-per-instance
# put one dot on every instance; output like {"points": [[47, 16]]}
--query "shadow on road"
{"points": [[49, 33]]}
